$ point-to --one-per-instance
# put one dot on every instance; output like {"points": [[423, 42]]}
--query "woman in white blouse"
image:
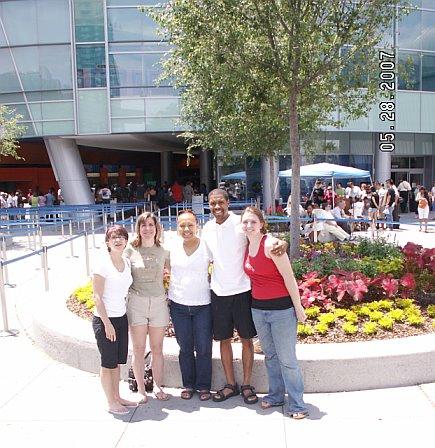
{"points": [[190, 308], [111, 280]]}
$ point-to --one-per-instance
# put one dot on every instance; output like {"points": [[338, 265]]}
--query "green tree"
{"points": [[10, 131], [256, 76]]}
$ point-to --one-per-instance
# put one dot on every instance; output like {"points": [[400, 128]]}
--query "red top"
{"points": [[267, 283]]}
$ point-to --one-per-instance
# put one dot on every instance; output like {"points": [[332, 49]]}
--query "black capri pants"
{"points": [[112, 352]]}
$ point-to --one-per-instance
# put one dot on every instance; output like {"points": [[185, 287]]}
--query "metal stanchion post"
{"points": [[71, 241], [45, 258], [132, 225], [34, 238], [315, 230], [4, 257], [88, 269], [136, 210], [61, 224], [6, 330], [28, 238], [93, 230], [123, 214], [169, 217], [40, 236]]}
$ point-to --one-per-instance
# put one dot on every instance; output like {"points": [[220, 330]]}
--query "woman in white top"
{"points": [[422, 199], [111, 280], [190, 307]]}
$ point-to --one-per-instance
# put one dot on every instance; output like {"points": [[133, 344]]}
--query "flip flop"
{"points": [[114, 412], [266, 405], [187, 394], [204, 395]]}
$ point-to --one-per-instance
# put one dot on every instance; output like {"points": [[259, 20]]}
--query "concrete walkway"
{"points": [[47, 404], [44, 403]]}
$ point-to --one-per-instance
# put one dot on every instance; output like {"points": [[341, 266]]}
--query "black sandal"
{"points": [[187, 394], [251, 397], [220, 395], [204, 395]]}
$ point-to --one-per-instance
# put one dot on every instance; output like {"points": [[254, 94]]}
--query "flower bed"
{"points": [[351, 292]]}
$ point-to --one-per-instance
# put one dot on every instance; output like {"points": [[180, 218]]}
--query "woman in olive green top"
{"points": [[147, 308]]}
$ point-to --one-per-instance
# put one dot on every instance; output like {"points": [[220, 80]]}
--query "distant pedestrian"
{"points": [[423, 208]]}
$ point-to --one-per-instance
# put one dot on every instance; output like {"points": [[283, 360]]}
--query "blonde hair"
{"points": [[137, 242]]}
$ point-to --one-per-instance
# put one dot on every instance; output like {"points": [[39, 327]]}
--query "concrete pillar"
{"points": [[68, 170], [166, 167], [205, 172], [382, 170], [269, 174]]}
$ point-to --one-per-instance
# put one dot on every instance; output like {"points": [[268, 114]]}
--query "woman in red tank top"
{"points": [[276, 309]]}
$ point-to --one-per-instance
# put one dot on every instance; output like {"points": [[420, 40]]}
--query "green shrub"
{"points": [[301, 266], [413, 310], [404, 303], [90, 304], [390, 266], [326, 318], [340, 312], [415, 320], [370, 328], [321, 328], [374, 306], [376, 315], [397, 315], [433, 324], [83, 293], [312, 312], [431, 311], [386, 305], [379, 249], [363, 311], [349, 328], [324, 264], [350, 265], [305, 330], [368, 267], [386, 323], [351, 317]]}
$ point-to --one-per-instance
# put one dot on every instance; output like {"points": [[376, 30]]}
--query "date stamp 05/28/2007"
{"points": [[387, 107]]}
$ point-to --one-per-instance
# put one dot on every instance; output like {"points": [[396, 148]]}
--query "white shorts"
{"points": [[423, 213]]}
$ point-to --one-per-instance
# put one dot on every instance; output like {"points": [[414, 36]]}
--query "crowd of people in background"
{"points": [[33, 198], [378, 203]]}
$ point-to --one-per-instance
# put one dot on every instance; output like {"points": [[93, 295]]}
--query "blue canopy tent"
{"points": [[240, 175], [321, 170]]}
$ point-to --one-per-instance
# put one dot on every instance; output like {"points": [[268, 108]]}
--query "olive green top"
{"points": [[147, 265]]}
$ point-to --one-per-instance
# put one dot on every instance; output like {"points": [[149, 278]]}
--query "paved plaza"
{"points": [[45, 403]]}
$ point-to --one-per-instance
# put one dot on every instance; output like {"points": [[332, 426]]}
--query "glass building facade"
{"points": [[83, 68]]}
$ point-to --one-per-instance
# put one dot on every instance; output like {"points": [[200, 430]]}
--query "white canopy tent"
{"points": [[322, 170]]}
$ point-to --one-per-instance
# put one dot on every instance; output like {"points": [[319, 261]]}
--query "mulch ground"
{"points": [[335, 334]]}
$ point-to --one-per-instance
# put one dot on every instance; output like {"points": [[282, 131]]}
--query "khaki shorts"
{"points": [[152, 311]]}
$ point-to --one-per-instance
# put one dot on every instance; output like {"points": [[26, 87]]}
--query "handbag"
{"points": [[147, 376]]}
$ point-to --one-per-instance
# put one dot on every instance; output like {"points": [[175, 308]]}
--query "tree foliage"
{"points": [[10, 131], [255, 75]]}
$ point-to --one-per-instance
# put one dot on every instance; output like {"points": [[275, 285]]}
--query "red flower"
{"points": [[408, 281]]}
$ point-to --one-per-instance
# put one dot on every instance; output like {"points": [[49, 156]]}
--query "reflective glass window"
{"points": [[52, 111], [19, 109], [130, 25], [2, 39], [50, 95], [428, 30], [128, 125], [128, 108], [361, 143], [93, 111], [409, 71], [139, 47], [143, 91], [135, 70], [428, 72], [6, 98], [428, 4], [91, 66], [44, 68], [55, 128], [8, 78], [36, 21], [162, 107], [132, 2], [410, 31], [89, 20]]}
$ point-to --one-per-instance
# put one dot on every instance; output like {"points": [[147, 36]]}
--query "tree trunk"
{"points": [[296, 183]]}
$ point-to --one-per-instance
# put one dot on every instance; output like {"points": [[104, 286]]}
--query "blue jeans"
{"points": [[193, 330], [276, 330], [389, 216]]}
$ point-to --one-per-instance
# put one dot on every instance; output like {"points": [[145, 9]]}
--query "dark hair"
{"points": [[115, 230], [137, 242], [188, 212], [219, 191], [373, 189], [258, 213]]}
